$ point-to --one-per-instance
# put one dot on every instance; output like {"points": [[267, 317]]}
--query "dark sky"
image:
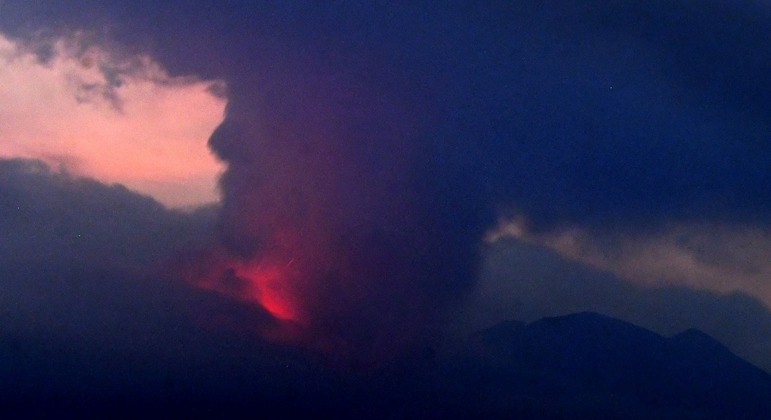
{"points": [[620, 149]]}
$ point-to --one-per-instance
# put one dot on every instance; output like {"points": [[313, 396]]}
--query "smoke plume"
{"points": [[336, 215], [369, 146]]}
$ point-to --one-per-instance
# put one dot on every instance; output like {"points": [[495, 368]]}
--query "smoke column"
{"points": [[336, 218], [368, 147]]}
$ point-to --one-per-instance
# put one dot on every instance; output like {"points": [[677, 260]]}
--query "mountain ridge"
{"points": [[584, 362]]}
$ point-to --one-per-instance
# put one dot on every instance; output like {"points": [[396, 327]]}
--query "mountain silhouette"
{"points": [[592, 365], [583, 365]]}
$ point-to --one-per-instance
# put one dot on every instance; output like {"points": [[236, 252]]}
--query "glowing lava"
{"points": [[269, 286], [265, 282]]}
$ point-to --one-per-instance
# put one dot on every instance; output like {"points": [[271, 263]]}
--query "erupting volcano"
{"points": [[269, 282], [333, 218]]}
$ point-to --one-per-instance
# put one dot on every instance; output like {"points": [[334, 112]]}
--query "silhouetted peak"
{"points": [[582, 318], [590, 325], [696, 339]]}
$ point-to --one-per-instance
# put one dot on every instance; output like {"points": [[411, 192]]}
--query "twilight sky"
{"points": [[79, 107], [372, 157]]}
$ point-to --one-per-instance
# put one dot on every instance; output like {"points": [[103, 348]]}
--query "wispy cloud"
{"points": [[709, 256]]}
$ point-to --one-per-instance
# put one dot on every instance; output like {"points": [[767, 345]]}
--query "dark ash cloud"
{"points": [[93, 324], [370, 146], [377, 154]]}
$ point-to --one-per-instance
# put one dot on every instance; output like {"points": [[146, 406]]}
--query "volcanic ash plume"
{"points": [[332, 216]]}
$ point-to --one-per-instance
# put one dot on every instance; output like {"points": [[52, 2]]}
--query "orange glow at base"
{"points": [[268, 287], [268, 284]]}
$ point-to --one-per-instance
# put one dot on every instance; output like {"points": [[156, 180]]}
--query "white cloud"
{"points": [[119, 119], [721, 258]]}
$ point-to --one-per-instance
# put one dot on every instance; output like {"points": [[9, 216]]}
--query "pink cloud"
{"points": [[118, 119]]}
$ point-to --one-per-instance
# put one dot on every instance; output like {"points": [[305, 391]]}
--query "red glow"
{"points": [[266, 282], [268, 286]]}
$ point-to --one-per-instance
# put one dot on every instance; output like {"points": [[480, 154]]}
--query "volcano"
{"points": [[583, 364]]}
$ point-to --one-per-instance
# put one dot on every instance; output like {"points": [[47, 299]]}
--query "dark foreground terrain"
{"points": [[584, 364]]}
